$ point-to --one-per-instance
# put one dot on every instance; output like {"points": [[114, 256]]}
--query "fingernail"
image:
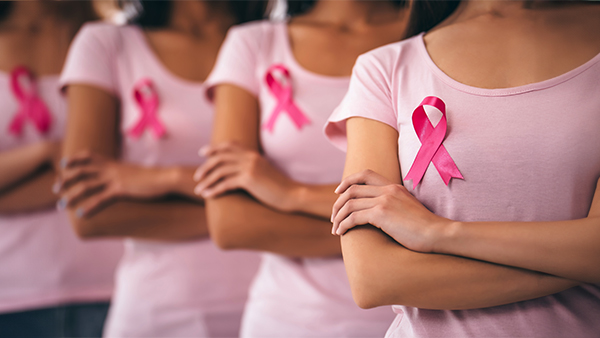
{"points": [[336, 190], [63, 162], [56, 187], [79, 212], [203, 151], [61, 204]]}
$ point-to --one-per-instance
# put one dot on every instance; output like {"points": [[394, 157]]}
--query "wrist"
{"points": [[294, 198], [446, 233], [169, 179]]}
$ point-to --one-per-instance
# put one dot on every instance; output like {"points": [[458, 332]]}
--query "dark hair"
{"points": [[156, 13], [426, 14], [298, 7], [150, 13], [5, 8]]}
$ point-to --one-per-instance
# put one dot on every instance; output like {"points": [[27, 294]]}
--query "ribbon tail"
{"points": [[158, 129], [418, 168], [270, 124], [16, 125], [41, 117], [137, 130], [297, 116], [445, 165]]}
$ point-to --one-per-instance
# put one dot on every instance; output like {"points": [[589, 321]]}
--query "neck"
{"points": [[498, 8], [198, 18], [353, 14]]}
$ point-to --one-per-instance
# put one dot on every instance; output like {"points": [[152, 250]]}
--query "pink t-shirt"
{"points": [[529, 153], [165, 289], [42, 263], [302, 296]]}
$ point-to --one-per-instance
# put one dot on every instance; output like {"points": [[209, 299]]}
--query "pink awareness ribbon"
{"points": [[432, 149], [31, 107], [147, 99], [285, 102]]}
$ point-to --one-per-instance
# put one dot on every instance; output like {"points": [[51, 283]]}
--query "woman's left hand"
{"points": [[89, 181], [369, 198], [231, 167]]}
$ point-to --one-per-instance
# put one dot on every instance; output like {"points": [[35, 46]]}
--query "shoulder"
{"points": [[392, 56], [256, 32], [105, 34]]}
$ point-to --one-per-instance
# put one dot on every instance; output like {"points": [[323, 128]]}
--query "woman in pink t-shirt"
{"points": [[493, 119], [274, 85], [137, 116], [51, 283]]}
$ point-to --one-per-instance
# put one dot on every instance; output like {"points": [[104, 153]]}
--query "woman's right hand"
{"points": [[89, 181]]}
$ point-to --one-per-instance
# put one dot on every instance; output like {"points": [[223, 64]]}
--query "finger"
{"points": [[368, 177], [96, 202], [80, 192], [210, 150], [355, 191], [350, 207], [215, 176], [80, 158], [356, 218], [75, 175], [214, 162], [229, 183]]}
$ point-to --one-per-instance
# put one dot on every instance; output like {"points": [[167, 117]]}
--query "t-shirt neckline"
{"points": [[289, 55], [500, 91], [159, 64]]}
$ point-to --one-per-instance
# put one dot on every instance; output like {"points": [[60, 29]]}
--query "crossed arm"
{"points": [[250, 204], [108, 198], [26, 177], [384, 272]]}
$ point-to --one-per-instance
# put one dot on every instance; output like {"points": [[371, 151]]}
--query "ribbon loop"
{"points": [[147, 99], [432, 149], [31, 106], [285, 101]]}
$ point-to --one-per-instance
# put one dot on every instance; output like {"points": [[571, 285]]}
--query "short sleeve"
{"points": [[91, 59], [236, 63], [368, 96]]}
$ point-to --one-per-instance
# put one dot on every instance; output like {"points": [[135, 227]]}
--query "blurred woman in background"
{"points": [[493, 118], [51, 284], [270, 173], [137, 116]]}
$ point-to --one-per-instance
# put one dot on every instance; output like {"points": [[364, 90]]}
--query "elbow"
{"points": [[364, 298], [366, 292], [85, 229], [225, 229]]}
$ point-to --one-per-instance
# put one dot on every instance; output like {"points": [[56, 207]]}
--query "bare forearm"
{"points": [[314, 200], [168, 221], [19, 163], [237, 221], [30, 195], [566, 248], [382, 272]]}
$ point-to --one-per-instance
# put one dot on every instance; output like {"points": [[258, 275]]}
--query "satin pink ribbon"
{"points": [[146, 97], [31, 107], [432, 149], [285, 102]]}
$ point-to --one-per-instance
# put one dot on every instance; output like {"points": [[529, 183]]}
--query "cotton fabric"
{"points": [[294, 297], [528, 153], [164, 289], [42, 261]]}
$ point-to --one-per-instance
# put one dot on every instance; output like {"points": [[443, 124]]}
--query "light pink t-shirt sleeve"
{"points": [[369, 96], [91, 58], [236, 63]]}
